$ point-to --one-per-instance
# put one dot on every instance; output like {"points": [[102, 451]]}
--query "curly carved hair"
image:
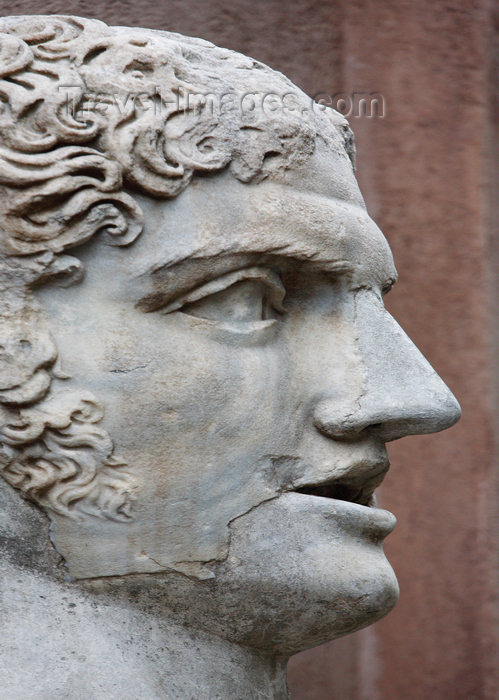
{"points": [[88, 114]]}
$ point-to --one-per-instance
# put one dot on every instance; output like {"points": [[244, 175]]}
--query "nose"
{"points": [[401, 394]]}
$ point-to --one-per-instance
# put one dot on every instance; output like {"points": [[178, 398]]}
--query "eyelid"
{"points": [[219, 284]]}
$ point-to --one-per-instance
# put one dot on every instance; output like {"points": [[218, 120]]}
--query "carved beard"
{"points": [[58, 457], [52, 449]]}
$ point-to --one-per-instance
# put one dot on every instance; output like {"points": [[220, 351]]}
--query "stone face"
{"points": [[198, 374]]}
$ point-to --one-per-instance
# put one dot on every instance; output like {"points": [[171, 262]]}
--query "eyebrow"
{"points": [[332, 235], [163, 285]]}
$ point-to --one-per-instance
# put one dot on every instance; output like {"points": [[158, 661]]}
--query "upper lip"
{"points": [[355, 484]]}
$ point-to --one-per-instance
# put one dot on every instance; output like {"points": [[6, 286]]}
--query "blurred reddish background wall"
{"points": [[427, 172]]}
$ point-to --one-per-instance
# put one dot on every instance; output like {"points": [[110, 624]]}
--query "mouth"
{"points": [[357, 486], [341, 492]]}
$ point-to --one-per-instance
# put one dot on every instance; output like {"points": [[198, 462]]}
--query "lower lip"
{"points": [[373, 523]]}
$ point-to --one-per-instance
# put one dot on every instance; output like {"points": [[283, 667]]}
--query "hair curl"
{"points": [[69, 174]]}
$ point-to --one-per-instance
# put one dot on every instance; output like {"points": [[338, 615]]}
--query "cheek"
{"points": [[176, 387], [200, 424]]}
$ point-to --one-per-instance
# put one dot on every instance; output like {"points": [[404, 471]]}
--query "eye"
{"points": [[243, 296]]}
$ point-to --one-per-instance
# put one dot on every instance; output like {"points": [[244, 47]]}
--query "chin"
{"points": [[300, 571], [299, 575]]}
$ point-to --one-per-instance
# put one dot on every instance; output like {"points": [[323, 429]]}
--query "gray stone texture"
{"points": [[447, 288]]}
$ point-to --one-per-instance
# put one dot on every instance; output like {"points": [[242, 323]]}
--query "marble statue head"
{"points": [[197, 373]]}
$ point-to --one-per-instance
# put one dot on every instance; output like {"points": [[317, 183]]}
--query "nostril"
{"points": [[339, 429]]}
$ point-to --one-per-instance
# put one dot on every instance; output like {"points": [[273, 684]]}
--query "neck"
{"points": [[195, 664]]}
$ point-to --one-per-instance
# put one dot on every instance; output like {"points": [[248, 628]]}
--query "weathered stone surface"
{"points": [[204, 391]]}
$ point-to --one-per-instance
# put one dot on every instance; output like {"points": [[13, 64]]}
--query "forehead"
{"points": [[314, 213]]}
